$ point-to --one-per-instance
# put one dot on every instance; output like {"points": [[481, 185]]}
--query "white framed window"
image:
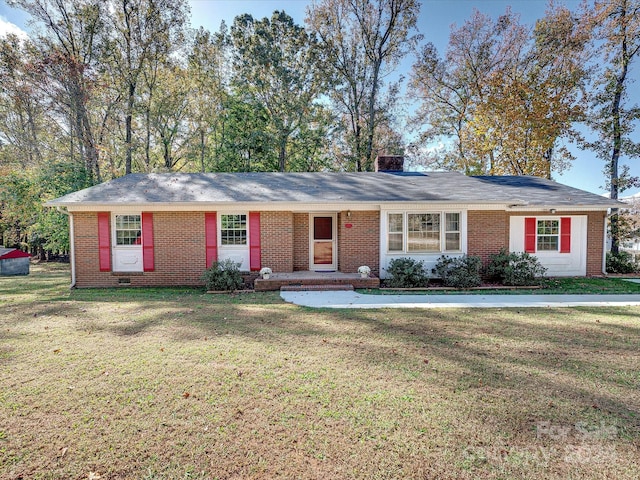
{"points": [[548, 235], [396, 232], [128, 230], [233, 229], [424, 232], [452, 232]]}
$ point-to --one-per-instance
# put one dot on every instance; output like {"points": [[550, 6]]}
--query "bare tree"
{"points": [[363, 42]]}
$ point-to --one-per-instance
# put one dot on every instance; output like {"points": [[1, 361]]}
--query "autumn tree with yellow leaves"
{"points": [[504, 95]]}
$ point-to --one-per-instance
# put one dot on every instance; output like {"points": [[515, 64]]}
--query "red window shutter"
{"points": [[211, 237], [530, 235], [254, 241], [147, 242], [565, 235], [104, 242]]}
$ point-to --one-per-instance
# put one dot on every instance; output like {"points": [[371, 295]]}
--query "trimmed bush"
{"points": [[459, 272], [224, 275], [517, 269], [622, 262], [407, 273]]}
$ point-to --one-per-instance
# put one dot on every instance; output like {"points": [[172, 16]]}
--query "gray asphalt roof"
{"points": [[445, 187]]}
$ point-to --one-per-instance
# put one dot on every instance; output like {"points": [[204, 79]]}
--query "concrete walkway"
{"points": [[350, 299]]}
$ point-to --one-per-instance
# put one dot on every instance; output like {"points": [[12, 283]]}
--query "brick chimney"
{"points": [[389, 163]]}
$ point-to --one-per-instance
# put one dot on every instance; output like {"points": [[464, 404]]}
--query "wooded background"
{"points": [[103, 88]]}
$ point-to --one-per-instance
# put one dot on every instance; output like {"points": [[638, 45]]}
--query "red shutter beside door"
{"points": [[565, 235], [147, 242], [104, 242], [254, 241], [211, 237], [530, 235]]}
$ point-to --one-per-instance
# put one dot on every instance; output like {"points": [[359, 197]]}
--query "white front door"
{"points": [[322, 250]]}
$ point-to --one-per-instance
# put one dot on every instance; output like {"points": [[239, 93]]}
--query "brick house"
{"points": [[165, 229]]}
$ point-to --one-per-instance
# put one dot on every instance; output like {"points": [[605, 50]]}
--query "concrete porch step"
{"points": [[311, 288]]}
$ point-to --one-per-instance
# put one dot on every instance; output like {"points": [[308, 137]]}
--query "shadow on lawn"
{"points": [[555, 372], [541, 353]]}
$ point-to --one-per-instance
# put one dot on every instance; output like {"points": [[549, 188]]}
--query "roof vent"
{"points": [[389, 163]]}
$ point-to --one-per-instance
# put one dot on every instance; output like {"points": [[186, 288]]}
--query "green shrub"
{"points": [[514, 268], [622, 262], [224, 275], [459, 272], [407, 273]]}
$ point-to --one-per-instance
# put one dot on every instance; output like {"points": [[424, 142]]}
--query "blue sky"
{"points": [[436, 19]]}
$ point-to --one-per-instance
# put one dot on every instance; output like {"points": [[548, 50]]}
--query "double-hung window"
{"points": [[396, 232], [128, 229], [233, 229], [548, 235], [452, 231], [424, 232]]}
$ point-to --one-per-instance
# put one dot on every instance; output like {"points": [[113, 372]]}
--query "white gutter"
{"points": [[72, 249]]}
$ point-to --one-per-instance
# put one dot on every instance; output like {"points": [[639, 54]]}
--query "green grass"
{"points": [[174, 383], [552, 286]]}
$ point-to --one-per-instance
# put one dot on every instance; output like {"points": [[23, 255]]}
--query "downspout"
{"points": [[72, 249], [604, 245]]}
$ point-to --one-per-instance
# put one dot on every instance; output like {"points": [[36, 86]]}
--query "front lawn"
{"points": [[176, 384]]}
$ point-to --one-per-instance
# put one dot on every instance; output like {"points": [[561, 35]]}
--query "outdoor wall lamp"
{"points": [[553, 210]]}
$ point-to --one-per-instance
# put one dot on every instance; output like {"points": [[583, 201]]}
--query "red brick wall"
{"points": [[487, 233], [300, 241], [595, 242], [179, 251], [180, 244], [86, 252], [277, 240], [360, 244]]}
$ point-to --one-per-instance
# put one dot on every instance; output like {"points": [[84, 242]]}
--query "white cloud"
{"points": [[7, 27]]}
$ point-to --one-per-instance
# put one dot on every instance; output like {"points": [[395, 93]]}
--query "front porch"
{"points": [[315, 280]]}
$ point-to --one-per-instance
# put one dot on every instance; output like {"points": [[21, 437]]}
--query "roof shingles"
{"points": [[441, 187]]}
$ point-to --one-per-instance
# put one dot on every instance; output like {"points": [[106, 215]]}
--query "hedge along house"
{"points": [[165, 229]]}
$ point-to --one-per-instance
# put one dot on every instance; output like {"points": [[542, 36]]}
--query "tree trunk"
{"points": [[129, 128], [90, 149], [371, 120], [202, 150], [614, 188], [147, 141], [168, 161], [282, 157], [358, 141]]}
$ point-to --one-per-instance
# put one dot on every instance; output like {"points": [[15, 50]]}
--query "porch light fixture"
{"points": [[553, 210], [348, 213]]}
